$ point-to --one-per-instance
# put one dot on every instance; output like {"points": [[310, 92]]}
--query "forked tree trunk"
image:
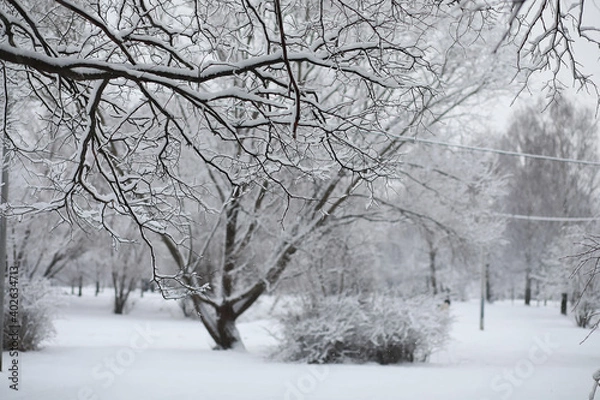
{"points": [[220, 322], [219, 315], [122, 288]]}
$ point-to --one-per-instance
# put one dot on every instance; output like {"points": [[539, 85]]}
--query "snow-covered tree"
{"points": [[451, 194], [127, 269], [169, 111], [256, 123]]}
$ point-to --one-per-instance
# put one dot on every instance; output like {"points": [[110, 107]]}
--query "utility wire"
{"points": [[497, 151], [515, 154], [546, 219]]}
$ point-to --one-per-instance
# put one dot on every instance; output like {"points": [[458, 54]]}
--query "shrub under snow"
{"points": [[586, 298], [587, 311], [382, 329], [28, 326]]}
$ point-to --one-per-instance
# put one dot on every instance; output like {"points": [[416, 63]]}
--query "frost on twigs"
{"points": [[553, 40], [176, 287], [382, 329]]}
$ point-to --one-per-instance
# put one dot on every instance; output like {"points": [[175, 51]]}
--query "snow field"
{"points": [[525, 353]]}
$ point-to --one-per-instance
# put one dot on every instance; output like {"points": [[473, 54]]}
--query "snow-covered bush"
{"points": [[382, 329], [587, 307], [29, 322], [585, 297], [585, 312]]}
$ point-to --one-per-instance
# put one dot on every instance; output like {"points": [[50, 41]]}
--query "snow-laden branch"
{"points": [[91, 69]]}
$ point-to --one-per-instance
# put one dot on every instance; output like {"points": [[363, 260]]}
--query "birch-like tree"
{"points": [[451, 194]]}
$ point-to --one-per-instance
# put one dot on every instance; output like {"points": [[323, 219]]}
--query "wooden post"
{"points": [[488, 283]]}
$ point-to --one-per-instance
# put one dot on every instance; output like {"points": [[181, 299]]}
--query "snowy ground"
{"points": [[526, 353]]}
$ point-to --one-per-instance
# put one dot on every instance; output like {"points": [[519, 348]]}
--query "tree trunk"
{"points": [[527, 288], [432, 272], [219, 323], [229, 336], [80, 284], [122, 290], [563, 304], [97, 286], [119, 306]]}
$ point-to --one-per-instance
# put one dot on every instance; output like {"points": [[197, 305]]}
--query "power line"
{"points": [[546, 219], [515, 154], [497, 151]]}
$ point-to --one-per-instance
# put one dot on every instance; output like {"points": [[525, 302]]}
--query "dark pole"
{"points": [[483, 287]]}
